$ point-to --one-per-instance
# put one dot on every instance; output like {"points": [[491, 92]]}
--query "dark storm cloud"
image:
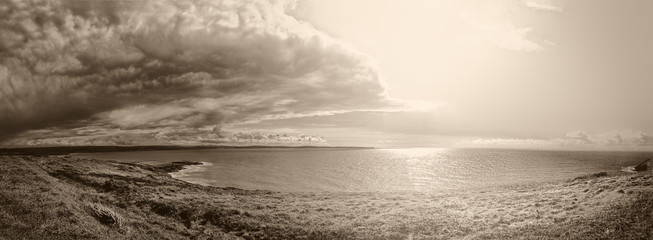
{"points": [[139, 65]]}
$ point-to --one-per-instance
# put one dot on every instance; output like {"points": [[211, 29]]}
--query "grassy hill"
{"points": [[64, 197]]}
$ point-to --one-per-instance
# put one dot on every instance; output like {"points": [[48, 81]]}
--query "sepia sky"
{"points": [[411, 73]]}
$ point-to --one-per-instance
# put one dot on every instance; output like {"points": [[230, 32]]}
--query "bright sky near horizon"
{"points": [[508, 70], [384, 73]]}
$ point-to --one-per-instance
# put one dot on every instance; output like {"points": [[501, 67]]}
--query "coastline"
{"points": [[65, 150], [185, 167], [70, 197]]}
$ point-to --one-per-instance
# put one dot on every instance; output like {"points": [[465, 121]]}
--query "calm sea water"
{"points": [[373, 170]]}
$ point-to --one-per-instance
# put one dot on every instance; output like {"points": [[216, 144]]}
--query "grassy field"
{"points": [[63, 197]]}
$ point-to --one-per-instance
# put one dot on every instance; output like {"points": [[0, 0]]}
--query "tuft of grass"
{"points": [[105, 215], [592, 176]]}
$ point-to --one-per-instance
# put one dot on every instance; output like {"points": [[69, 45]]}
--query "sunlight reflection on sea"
{"points": [[380, 170]]}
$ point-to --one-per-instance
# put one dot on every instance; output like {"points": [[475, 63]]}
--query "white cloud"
{"points": [[576, 139], [509, 142], [543, 5], [98, 135], [626, 137], [493, 20], [509, 37], [579, 135]]}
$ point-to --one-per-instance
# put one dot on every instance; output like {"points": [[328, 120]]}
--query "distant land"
{"points": [[62, 150]]}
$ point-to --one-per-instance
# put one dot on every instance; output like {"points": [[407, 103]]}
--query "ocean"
{"points": [[379, 170]]}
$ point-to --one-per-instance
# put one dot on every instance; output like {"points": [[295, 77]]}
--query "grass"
{"points": [[66, 197], [105, 215]]}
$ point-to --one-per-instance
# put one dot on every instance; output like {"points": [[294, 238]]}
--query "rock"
{"points": [[642, 166], [601, 174]]}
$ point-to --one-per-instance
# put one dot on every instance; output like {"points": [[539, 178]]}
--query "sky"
{"points": [[381, 73]]}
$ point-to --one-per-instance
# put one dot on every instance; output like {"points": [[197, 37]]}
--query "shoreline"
{"points": [[67, 150], [70, 197]]}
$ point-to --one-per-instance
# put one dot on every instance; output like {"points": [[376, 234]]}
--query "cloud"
{"points": [[510, 37], [262, 137], [94, 135], [127, 66], [510, 142], [579, 135], [543, 5], [627, 137], [576, 139], [493, 20]]}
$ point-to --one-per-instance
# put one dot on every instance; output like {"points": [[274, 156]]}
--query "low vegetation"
{"points": [[105, 215], [67, 197]]}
